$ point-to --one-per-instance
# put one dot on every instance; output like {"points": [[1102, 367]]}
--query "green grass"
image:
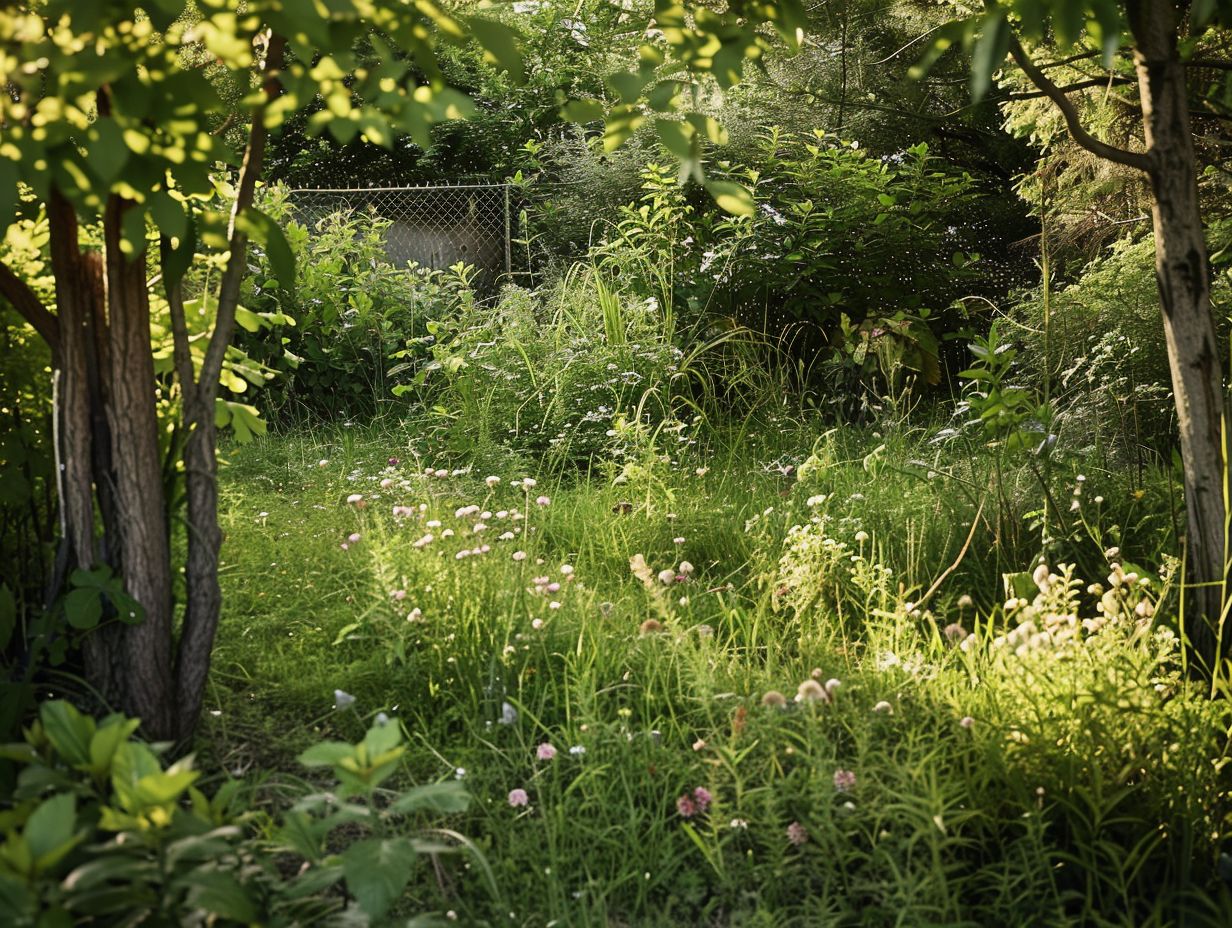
{"points": [[1090, 788]]}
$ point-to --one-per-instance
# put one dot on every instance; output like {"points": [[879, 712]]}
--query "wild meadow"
{"points": [[785, 485]]}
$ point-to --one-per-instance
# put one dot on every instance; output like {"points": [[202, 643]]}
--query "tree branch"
{"points": [[1133, 159], [30, 307], [250, 170], [180, 346], [1070, 88]]}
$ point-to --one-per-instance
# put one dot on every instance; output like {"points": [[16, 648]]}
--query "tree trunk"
{"points": [[83, 447], [1183, 275], [144, 546]]}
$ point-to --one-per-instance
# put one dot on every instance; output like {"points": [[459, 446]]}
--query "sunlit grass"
{"points": [[1089, 790]]}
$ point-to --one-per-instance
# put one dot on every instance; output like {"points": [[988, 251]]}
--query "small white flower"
{"points": [[577, 750], [343, 700], [509, 715]]}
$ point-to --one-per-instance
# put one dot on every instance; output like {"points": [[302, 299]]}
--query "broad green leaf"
{"points": [[326, 754], [220, 894], [107, 739], [83, 608], [500, 44], [990, 50], [450, 796], [583, 111], [69, 731], [377, 872], [264, 230], [677, 137], [49, 832], [732, 197]]}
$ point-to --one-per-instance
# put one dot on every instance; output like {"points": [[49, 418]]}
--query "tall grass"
{"points": [[1080, 786]]}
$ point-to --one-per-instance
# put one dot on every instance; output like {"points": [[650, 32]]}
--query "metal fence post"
{"points": [[508, 236]]}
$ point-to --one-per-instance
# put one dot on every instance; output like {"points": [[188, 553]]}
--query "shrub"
{"points": [[350, 311], [549, 373], [98, 830]]}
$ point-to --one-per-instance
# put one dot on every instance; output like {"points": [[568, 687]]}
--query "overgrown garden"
{"points": [[824, 525]]}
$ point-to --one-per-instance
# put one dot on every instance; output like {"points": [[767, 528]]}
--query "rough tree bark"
{"points": [[1183, 275], [132, 415]]}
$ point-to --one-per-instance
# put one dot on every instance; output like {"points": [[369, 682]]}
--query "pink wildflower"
{"points": [[844, 780], [518, 797], [685, 806], [796, 834], [545, 751], [702, 797]]}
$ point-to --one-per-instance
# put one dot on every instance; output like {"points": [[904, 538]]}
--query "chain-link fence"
{"points": [[434, 226]]}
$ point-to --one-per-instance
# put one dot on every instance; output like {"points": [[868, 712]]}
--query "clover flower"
{"points": [[545, 751], [797, 834], [844, 780], [518, 797], [811, 691]]}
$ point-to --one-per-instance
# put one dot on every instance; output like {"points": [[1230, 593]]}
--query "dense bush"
{"points": [[99, 831], [850, 264], [350, 311], [1099, 342]]}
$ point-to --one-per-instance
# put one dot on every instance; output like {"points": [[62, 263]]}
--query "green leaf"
{"points": [[583, 111], [263, 229], [447, 797], [168, 214], [990, 50], [326, 754], [677, 136], [107, 740], [709, 128], [500, 43], [69, 732], [49, 830], [621, 123], [178, 259], [732, 197], [83, 608], [8, 193], [377, 872], [220, 894], [106, 151]]}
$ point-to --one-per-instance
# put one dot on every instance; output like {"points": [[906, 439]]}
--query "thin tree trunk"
{"points": [[1183, 274], [200, 459], [144, 546]]}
